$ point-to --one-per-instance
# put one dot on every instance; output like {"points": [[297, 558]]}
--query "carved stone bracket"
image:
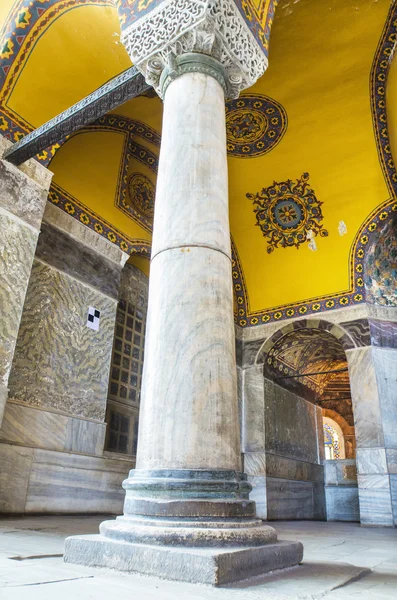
{"points": [[211, 27]]}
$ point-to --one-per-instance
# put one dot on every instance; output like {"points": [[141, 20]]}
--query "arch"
{"points": [[336, 330]]}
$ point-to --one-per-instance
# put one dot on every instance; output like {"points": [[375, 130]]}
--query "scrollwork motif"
{"points": [[211, 27]]}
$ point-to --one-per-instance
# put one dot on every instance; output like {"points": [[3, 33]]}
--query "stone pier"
{"points": [[187, 513], [23, 196]]}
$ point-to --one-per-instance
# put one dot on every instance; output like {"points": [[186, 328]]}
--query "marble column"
{"points": [[23, 195], [188, 490]]}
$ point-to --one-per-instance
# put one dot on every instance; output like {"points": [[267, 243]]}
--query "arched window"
{"points": [[331, 442]]}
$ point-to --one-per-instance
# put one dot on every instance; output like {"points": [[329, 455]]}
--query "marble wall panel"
{"points": [[17, 247], [383, 333], [393, 489], [365, 398], [43, 481], [29, 426], [74, 258], [255, 463], [319, 503], [15, 469], [385, 361], [259, 495], [342, 503], [289, 499], [375, 505], [134, 287], [371, 460], [290, 424], [59, 219], [253, 410], [59, 362], [391, 457], [75, 484], [358, 331], [21, 195], [288, 468]]}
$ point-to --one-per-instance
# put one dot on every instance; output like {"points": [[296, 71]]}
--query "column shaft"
{"points": [[189, 412]]}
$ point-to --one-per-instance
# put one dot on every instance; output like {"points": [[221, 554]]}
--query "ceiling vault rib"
{"points": [[114, 93], [308, 374]]}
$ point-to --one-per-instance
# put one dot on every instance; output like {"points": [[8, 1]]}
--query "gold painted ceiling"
{"points": [[310, 165]]}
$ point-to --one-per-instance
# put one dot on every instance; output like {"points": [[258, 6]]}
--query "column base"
{"points": [[214, 566]]}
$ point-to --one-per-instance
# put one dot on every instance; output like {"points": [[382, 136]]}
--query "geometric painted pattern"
{"points": [[375, 221], [286, 212], [255, 124]]}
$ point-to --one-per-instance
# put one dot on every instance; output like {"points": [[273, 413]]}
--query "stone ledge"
{"points": [[31, 168], [210, 566], [58, 218]]}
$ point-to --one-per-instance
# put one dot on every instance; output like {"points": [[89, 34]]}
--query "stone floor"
{"points": [[341, 562]]}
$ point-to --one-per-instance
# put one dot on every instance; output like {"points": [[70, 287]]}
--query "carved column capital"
{"points": [[214, 28]]}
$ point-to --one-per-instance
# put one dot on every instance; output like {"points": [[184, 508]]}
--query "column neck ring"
{"points": [[193, 62]]}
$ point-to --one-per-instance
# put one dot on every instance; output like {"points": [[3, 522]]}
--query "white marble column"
{"points": [[188, 490], [189, 411]]}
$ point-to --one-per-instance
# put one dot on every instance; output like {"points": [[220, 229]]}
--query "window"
{"points": [[331, 442], [125, 379]]}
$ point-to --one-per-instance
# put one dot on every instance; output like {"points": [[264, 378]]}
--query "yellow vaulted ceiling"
{"points": [[320, 61]]}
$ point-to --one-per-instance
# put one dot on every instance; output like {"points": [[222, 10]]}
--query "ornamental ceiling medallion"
{"points": [[287, 211], [254, 125], [141, 194]]}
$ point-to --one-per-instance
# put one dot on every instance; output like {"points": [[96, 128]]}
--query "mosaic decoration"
{"points": [[61, 198], [141, 194], [331, 442], [259, 16], [254, 125], [286, 212], [311, 362], [131, 10], [380, 266], [355, 294]]}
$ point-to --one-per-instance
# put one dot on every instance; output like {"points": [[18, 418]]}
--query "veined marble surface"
{"points": [[59, 362]]}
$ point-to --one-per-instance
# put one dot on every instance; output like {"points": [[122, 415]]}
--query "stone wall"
{"points": [[284, 467], [371, 367], [23, 194], [53, 432]]}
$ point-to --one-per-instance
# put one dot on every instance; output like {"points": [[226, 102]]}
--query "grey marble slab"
{"points": [[15, 469], [383, 333], [289, 499], [254, 410], [342, 503], [259, 495], [18, 244], [21, 195], [385, 360], [290, 424], [365, 398], [393, 490], [289, 468], [358, 329], [30, 426], [319, 504], [60, 363], [375, 506], [371, 461], [391, 457], [71, 483], [58, 249], [59, 219]]}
